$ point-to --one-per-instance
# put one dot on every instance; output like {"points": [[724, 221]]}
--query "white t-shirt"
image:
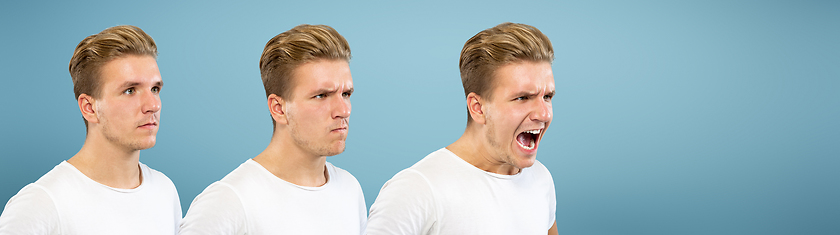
{"points": [[252, 200], [65, 201], [443, 194]]}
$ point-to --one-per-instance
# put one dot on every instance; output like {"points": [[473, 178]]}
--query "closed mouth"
{"points": [[150, 124]]}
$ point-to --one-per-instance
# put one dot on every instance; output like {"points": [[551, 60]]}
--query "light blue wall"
{"points": [[672, 117]]}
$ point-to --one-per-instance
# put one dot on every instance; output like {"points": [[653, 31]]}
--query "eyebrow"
{"points": [[323, 91], [532, 94], [129, 84], [526, 93], [132, 84], [330, 90]]}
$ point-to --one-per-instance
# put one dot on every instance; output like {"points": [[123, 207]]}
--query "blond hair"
{"points": [[489, 49], [96, 50], [299, 45]]}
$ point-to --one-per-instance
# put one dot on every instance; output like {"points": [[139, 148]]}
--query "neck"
{"points": [[473, 148], [108, 164], [290, 163]]}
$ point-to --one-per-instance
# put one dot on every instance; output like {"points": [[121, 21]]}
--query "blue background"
{"points": [[686, 117]]}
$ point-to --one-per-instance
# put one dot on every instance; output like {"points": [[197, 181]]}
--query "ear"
{"points": [[277, 108], [475, 107], [87, 105]]}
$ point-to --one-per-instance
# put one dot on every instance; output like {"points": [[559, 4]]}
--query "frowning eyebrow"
{"points": [[330, 90], [526, 94], [532, 94], [324, 91]]}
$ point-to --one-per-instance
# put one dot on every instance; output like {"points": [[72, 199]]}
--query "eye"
{"points": [[155, 89], [521, 98], [548, 97], [129, 91], [319, 96], [346, 94]]}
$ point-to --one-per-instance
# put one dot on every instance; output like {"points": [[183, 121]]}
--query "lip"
{"points": [[340, 129], [149, 125]]}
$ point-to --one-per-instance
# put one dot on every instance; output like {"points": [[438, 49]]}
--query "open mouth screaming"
{"points": [[528, 139]]}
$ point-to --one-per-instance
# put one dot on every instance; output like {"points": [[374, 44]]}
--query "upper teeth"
{"points": [[535, 132]]}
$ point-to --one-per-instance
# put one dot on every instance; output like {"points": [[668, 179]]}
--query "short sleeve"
{"points": [[177, 211], [362, 211], [552, 205], [551, 197], [405, 205], [217, 210], [30, 211]]}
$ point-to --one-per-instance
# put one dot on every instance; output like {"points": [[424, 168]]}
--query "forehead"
{"points": [[523, 77], [322, 74], [130, 69]]}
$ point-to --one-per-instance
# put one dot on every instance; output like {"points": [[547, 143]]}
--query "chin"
{"points": [[331, 150], [337, 151], [145, 144], [525, 162]]}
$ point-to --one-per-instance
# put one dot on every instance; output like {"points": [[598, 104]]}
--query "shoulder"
{"points": [[339, 172], [408, 187], [245, 174], [61, 181], [216, 210], [228, 190], [410, 177], [155, 177], [30, 210], [60, 176], [439, 157], [341, 176], [218, 193], [225, 191], [423, 174], [344, 182], [32, 194], [539, 172], [440, 163], [406, 205]]}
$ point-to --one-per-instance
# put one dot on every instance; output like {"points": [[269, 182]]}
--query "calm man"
{"points": [[104, 189]]}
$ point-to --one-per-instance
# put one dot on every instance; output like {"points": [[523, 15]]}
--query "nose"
{"points": [[151, 102], [342, 107], [542, 112]]}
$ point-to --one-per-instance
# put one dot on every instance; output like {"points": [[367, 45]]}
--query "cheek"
{"points": [[307, 117]]}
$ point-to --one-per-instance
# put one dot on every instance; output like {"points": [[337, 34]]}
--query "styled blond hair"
{"points": [[96, 50], [489, 49], [290, 49]]}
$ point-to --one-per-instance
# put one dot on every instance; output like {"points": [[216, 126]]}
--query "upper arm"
{"points": [[217, 210], [30, 211], [405, 205]]}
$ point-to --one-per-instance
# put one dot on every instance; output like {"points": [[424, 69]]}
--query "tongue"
{"points": [[524, 139]]}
